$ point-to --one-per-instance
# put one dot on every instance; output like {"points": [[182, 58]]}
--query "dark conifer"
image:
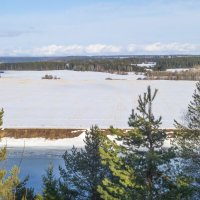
{"points": [[83, 168], [145, 168]]}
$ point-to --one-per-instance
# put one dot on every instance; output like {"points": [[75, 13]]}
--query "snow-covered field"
{"points": [[80, 99]]}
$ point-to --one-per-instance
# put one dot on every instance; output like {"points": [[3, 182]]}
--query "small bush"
{"points": [[50, 77]]}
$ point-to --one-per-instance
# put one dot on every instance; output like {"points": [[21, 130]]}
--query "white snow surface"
{"points": [[178, 69], [82, 99], [42, 143]]}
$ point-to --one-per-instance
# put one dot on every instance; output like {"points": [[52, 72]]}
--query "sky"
{"points": [[103, 27]]}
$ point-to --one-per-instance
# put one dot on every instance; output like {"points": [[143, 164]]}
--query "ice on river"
{"points": [[81, 99]]}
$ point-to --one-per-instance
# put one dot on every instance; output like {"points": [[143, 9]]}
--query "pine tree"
{"points": [[54, 189], [65, 192], [3, 150], [188, 139], [143, 166], [83, 168], [50, 185], [122, 185], [188, 133], [8, 181], [22, 192], [193, 114], [38, 197]]}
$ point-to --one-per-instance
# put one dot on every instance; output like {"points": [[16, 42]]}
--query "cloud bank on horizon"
{"points": [[92, 27], [102, 49]]}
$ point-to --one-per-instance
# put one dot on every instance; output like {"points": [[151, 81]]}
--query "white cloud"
{"points": [[103, 49], [100, 48], [133, 48], [51, 50], [171, 47], [164, 48]]}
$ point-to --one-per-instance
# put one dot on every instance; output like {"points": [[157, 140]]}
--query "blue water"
{"points": [[34, 162]]}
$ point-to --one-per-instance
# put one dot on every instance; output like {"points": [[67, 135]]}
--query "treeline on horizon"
{"points": [[102, 64]]}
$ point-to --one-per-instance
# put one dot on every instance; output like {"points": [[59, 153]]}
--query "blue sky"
{"points": [[91, 27]]}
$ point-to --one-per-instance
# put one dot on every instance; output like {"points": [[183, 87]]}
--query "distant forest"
{"points": [[100, 64]]}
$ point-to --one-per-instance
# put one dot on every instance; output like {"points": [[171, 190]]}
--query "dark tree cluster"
{"points": [[103, 64]]}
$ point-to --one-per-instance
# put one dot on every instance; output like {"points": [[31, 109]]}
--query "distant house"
{"points": [[146, 64]]}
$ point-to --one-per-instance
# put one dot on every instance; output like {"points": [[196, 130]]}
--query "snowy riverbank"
{"points": [[42, 143]]}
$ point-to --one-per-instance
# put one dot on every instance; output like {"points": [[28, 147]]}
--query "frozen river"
{"points": [[81, 99], [77, 100]]}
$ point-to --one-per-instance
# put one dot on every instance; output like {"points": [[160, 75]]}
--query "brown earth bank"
{"points": [[40, 132], [51, 133]]}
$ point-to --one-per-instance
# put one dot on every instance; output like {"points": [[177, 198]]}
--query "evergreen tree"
{"points": [[144, 167], [1, 117], [188, 139], [55, 189], [22, 192], [66, 193], [8, 181], [193, 114], [84, 170], [38, 197], [50, 185], [122, 185]]}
